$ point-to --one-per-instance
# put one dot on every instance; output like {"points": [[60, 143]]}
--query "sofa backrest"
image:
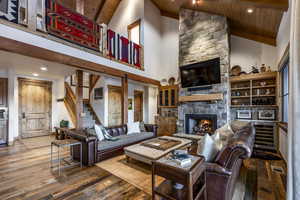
{"points": [[240, 146], [117, 130]]}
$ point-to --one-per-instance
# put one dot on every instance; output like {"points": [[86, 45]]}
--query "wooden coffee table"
{"points": [[148, 154]]}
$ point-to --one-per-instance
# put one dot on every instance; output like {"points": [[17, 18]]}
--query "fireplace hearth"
{"points": [[200, 124]]}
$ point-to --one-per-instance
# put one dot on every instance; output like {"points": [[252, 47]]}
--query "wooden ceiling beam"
{"points": [[168, 14], [251, 36], [99, 10], [52, 56], [274, 4], [108, 10]]}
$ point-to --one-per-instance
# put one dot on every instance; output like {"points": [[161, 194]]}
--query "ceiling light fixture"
{"points": [[250, 10], [44, 68], [35, 74], [196, 2]]}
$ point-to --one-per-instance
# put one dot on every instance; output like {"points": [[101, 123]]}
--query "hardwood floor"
{"points": [[25, 174]]}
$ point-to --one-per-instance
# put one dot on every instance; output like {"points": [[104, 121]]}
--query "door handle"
{"points": [[23, 115]]}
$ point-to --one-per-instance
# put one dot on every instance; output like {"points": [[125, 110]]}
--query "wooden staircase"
{"points": [[70, 103], [265, 139]]}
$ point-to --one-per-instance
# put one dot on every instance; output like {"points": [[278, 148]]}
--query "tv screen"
{"points": [[201, 74]]}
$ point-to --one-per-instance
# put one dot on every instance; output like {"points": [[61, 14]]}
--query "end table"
{"points": [[61, 144], [192, 178]]}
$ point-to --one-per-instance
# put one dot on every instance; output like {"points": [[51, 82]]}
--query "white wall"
{"points": [[169, 47], [127, 12], [247, 53], [283, 36]]}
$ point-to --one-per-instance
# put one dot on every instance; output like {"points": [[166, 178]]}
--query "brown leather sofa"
{"points": [[222, 174], [95, 151]]}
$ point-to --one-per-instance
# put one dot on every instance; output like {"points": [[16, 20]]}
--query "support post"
{"points": [[79, 98], [125, 99]]}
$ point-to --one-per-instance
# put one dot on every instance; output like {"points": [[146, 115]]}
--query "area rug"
{"points": [[134, 172], [139, 175]]}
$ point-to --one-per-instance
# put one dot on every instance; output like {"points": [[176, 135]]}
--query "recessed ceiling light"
{"points": [[44, 68], [35, 74], [250, 10]]}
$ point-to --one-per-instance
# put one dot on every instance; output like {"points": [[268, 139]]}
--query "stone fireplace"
{"points": [[200, 124], [202, 37]]}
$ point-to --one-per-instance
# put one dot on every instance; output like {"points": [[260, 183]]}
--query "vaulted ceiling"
{"points": [[261, 25]]}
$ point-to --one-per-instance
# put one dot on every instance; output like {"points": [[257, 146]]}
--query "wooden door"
{"points": [[114, 106], [3, 92], [3, 111], [35, 99], [138, 106]]}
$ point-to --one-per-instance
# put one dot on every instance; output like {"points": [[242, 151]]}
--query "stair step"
{"points": [[264, 139], [264, 143], [257, 146]]}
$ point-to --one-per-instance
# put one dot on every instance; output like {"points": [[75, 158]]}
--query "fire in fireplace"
{"points": [[200, 124]]}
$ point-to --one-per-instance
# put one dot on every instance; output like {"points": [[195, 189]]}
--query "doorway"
{"points": [[138, 106], [114, 105], [35, 107]]}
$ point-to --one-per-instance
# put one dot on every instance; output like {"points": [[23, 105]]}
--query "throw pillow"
{"points": [[99, 133], [225, 132], [142, 127], [237, 125], [207, 148], [133, 127]]}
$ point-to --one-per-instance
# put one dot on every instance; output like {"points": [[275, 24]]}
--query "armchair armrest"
{"points": [[215, 168], [151, 128]]}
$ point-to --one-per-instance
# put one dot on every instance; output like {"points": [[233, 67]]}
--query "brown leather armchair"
{"points": [[222, 174]]}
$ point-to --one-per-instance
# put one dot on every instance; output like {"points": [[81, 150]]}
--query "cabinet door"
{"points": [[3, 92]]}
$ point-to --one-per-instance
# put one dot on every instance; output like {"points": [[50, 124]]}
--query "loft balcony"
{"points": [[50, 26]]}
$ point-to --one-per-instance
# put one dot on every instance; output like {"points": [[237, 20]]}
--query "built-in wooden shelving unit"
{"points": [[254, 90], [257, 93]]}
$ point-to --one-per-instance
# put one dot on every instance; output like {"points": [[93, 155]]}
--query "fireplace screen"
{"points": [[200, 124]]}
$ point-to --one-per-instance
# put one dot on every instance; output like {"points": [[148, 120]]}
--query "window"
{"points": [[285, 91], [134, 30]]}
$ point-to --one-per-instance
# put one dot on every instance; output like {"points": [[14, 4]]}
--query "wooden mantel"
{"points": [[201, 97]]}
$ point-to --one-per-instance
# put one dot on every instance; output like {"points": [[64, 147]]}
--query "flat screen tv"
{"points": [[201, 74]]}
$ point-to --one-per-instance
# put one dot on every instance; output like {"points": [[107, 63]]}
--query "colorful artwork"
{"points": [[9, 10]]}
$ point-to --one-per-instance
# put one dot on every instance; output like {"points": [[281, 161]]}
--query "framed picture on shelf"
{"points": [[267, 114], [98, 93], [130, 106], [244, 114]]}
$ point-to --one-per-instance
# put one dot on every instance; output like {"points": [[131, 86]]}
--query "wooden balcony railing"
{"points": [[50, 17]]}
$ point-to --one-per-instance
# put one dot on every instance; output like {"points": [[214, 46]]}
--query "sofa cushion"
{"points": [[124, 140], [133, 127], [208, 147]]}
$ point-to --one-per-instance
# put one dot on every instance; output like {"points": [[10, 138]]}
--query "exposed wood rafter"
{"points": [[275, 4], [99, 10], [258, 38]]}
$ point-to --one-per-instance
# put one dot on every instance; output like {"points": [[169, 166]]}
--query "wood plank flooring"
{"points": [[25, 174]]}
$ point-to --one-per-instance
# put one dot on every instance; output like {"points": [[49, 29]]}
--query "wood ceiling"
{"points": [[262, 25]]}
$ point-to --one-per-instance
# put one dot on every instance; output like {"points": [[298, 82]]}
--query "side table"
{"points": [[192, 178], [61, 144]]}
